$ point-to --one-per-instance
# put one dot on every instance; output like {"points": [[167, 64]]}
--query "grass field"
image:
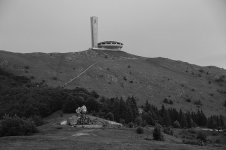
{"points": [[55, 137]]}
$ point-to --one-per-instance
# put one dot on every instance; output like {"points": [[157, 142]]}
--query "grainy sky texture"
{"points": [[189, 30]]}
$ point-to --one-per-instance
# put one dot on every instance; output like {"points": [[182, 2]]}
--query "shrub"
{"points": [[138, 121], [198, 103], [157, 133], [220, 78], [122, 121], [139, 130], [176, 124], [124, 78], [188, 100], [32, 77], [211, 94], [130, 125], [168, 101], [54, 78], [110, 116], [168, 130], [201, 71], [26, 67], [14, 126], [202, 136], [218, 141]]}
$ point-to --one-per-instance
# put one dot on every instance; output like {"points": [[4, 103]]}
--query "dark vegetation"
{"points": [[140, 130], [178, 119], [157, 133], [54, 78], [26, 67], [168, 130], [31, 101], [167, 101], [202, 136], [220, 78], [198, 102], [14, 125], [188, 100]]}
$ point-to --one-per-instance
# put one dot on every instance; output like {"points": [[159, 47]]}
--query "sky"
{"points": [[193, 31]]}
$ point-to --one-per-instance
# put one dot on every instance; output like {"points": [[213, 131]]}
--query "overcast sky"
{"points": [[189, 30]]}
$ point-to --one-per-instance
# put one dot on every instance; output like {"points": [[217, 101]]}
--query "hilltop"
{"points": [[116, 73]]}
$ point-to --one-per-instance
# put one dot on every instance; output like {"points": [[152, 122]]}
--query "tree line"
{"points": [[180, 119]]}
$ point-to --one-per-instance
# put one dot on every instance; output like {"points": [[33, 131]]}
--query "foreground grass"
{"points": [[51, 137], [55, 137]]}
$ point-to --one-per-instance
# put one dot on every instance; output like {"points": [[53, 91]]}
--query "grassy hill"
{"points": [[117, 73]]}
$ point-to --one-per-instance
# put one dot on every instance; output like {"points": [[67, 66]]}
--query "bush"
{"points": [[130, 125], [26, 67], [198, 103], [202, 136], [110, 116], [139, 130], [218, 141], [176, 124], [220, 78], [168, 101], [168, 131], [14, 126], [138, 121], [54, 78], [122, 121], [157, 133], [124, 78], [188, 100]]}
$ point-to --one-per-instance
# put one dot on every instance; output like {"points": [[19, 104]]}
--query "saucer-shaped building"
{"points": [[111, 45]]}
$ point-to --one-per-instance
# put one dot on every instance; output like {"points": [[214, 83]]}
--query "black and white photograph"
{"points": [[112, 74]]}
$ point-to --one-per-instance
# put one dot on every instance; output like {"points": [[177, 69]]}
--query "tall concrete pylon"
{"points": [[94, 31]]}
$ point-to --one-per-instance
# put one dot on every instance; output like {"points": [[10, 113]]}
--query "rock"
{"points": [[63, 122]]}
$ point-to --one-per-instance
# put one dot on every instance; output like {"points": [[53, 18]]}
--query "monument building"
{"points": [[106, 45]]}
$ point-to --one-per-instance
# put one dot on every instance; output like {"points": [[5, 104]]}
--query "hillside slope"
{"points": [[117, 73]]}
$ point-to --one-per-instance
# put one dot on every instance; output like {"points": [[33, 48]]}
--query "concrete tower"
{"points": [[94, 31]]}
